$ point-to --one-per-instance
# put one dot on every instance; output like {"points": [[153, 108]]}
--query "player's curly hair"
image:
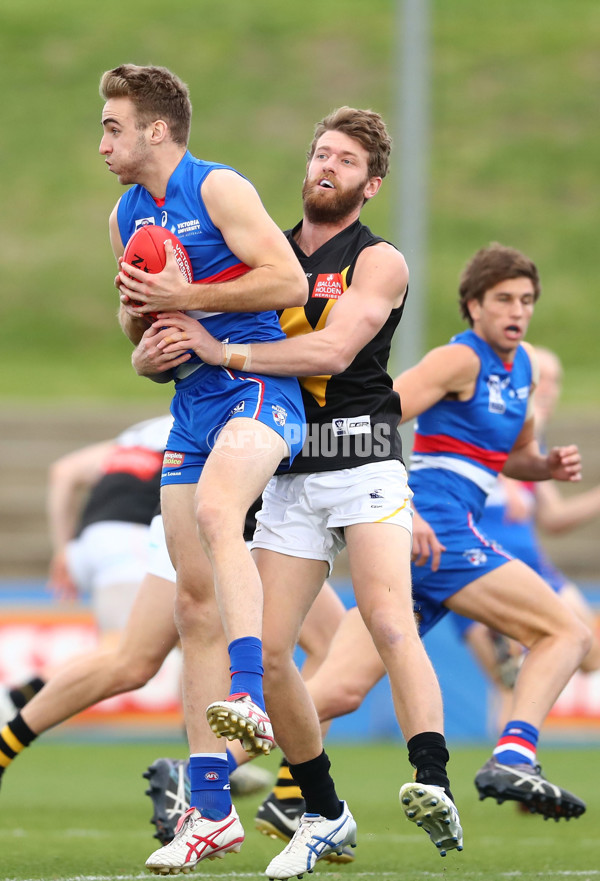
{"points": [[487, 268], [155, 92], [367, 127]]}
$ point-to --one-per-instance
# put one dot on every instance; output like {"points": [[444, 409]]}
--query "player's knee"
{"points": [[217, 520], [133, 669], [386, 632], [277, 661], [197, 616], [345, 698], [583, 636]]}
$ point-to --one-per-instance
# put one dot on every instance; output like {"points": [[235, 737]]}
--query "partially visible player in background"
{"points": [[148, 636], [473, 399], [514, 516], [101, 499]]}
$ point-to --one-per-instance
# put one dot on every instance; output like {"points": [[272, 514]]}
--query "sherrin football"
{"points": [[146, 250]]}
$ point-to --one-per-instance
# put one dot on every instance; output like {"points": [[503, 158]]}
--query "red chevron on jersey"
{"points": [[443, 443], [225, 274]]}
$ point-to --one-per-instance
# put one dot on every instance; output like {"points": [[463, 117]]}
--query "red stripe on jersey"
{"points": [[443, 443], [225, 274]]}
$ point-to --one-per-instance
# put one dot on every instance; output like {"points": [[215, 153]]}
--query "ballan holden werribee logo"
{"points": [[328, 286]]}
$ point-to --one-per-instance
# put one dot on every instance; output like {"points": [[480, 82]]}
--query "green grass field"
{"points": [[77, 812], [514, 155]]}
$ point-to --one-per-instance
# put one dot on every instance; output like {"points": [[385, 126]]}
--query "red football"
{"points": [[146, 250]]}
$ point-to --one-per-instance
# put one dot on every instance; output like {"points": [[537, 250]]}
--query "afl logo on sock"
{"points": [[211, 775]]}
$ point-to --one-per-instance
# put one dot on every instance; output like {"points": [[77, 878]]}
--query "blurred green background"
{"points": [[514, 156]]}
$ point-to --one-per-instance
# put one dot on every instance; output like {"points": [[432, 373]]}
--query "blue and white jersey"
{"points": [[183, 213], [460, 447]]}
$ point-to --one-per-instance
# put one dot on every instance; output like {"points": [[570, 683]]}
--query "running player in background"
{"points": [[149, 635], [473, 400], [100, 501], [514, 516]]}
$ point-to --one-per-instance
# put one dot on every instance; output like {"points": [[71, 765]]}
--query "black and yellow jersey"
{"points": [[352, 417]]}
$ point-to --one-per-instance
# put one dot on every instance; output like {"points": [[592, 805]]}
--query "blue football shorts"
{"points": [[469, 555], [206, 400]]}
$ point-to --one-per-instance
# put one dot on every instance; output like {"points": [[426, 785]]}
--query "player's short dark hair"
{"points": [[367, 127], [487, 268], [156, 93]]}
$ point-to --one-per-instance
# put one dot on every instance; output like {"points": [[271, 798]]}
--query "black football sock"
{"points": [[317, 787], [427, 752], [285, 788], [14, 737], [22, 694]]}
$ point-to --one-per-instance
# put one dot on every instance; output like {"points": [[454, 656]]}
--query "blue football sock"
{"points": [[517, 744], [209, 785], [245, 658]]}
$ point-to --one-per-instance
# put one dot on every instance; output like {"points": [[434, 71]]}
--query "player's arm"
{"points": [[378, 284], [446, 370], [556, 514], [425, 543], [69, 478], [527, 462], [275, 279], [151, 361]]}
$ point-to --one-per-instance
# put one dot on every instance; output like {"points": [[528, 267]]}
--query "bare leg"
{"points": [[148, 638], [479, 639], [205, 673], [232, 479], [319, 629], [572, 596], [383, 595], [515, 601], [352, 663], [290, 586]]}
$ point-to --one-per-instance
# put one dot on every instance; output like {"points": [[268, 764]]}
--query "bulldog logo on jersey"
{"points": [[328, 286], [144, 221], [475, 556], [279, 414], [496, 403]]}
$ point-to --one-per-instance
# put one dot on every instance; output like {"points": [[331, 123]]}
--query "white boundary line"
{"points": [[587, 873]]}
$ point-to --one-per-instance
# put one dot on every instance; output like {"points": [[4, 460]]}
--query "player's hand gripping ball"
{"points": [[146, 250]]}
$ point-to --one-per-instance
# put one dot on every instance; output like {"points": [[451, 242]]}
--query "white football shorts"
{"points": [[304, 515], [108, 561], [159, 561]]}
